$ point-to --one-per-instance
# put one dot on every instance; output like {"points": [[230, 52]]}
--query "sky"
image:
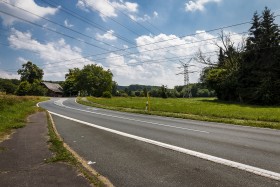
{"points": [[140, 41]]}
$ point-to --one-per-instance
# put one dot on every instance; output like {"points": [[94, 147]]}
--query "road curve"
{"points": [[129, 162]]}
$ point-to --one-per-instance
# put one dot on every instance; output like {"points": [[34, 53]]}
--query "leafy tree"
{"points": [[114, 88], [37, 89], [107, 94], [9, 85], [70, 84], [23, 88], [91, 80], [163, 90], [30, 72], [145, 91], [222, 76]]}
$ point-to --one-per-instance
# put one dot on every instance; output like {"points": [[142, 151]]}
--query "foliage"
{"points": [[250, 73], [91, 80], [107, 94], [30, 72], [9, 86], [35, 88], [23, 88], [163, 91], [261, 59]]}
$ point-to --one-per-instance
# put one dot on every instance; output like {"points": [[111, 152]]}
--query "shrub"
{"points": [[107, 94]]}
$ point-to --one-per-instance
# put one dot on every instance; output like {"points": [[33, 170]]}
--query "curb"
{"points": [[80, 160]]}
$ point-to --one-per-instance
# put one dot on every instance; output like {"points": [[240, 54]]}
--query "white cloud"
{"points": [[28, 5], [109, 35], [157, 64], [198, 5], [82, 5], [144, 18], [67, 24], [8, 75], [155, 14], [55, 55], [21, 60], [127, 6], [150, 66], [107, 8]]}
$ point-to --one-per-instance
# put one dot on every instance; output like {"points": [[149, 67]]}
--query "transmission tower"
{"points": [[186, 72]]}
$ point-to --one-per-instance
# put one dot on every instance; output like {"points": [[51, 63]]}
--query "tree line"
{"points": [[249, 72]]}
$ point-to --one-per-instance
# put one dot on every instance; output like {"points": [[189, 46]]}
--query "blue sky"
{"points": [[140, 41]]}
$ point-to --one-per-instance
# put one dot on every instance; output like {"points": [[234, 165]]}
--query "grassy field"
{"points": [[208, 109], [14, 110]]}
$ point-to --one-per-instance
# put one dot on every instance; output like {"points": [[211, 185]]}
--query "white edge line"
{"points": [[40, 103], [240, 166]]}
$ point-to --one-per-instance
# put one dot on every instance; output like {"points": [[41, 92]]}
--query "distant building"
{"points": [[54, 89]]}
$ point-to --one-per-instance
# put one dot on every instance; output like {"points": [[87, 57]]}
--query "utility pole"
{"points": [[185, 72]]}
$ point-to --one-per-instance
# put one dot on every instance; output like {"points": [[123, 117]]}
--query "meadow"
{"points": [[14, 111], [207, 109]]}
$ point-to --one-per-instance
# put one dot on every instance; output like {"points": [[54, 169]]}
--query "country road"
{"points": [[140, 150]]}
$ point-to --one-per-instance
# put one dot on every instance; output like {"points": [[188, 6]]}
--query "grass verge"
{"points": [[205, 109], [14, 111], [63, 153]]}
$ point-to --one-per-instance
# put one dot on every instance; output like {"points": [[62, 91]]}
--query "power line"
{"points": [[52, 30], [88, 21], [61, 25]]}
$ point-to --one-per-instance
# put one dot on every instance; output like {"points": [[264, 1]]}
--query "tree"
{"points": [[37, 89], [222, 75], [9, 85], [30, 72], [163, 90], [70, 84], [23, 88], [91, 80], [259, 75]]}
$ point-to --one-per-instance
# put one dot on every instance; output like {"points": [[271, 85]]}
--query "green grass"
{"points": [[207, 109], [14, 111]]}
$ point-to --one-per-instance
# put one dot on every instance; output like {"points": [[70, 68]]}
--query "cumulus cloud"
{"points": [[109, 35], [55, 55], [198, 5], [107, 8], [8, 75], [153, 63], [29, 5], [157, 60], [144, 18], [67, 24], [22, 60]]}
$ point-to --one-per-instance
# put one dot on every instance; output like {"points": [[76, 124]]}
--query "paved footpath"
{"points": [[22, 159]]}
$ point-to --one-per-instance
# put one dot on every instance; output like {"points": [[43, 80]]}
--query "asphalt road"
{"points": [[130, 162]]}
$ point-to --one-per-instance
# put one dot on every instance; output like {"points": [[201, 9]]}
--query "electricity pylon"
{"points": [[186, 72]]}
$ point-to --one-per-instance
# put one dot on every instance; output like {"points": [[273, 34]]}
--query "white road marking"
{"points": [[240, 166], [60, 103]]}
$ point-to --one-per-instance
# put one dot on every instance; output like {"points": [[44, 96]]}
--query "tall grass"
{"points": [[15, 109], [199, 108]]}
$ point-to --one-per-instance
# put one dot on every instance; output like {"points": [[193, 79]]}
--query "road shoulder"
{"points": [[23, 159]]}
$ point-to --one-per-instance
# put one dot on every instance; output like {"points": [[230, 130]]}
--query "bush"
{"points": [[107, 94]]}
